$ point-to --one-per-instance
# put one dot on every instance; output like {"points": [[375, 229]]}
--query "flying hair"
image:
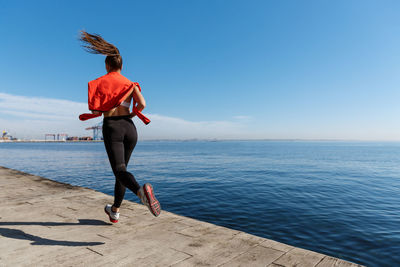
{"points": [[95, 44]]}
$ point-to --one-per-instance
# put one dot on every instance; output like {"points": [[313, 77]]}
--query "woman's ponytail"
{"points": [[95, 44]]}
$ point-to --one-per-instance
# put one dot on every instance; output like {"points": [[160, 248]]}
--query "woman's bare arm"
{"points": [[139, 99]]}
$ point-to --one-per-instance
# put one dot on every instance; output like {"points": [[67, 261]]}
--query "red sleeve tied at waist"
{"points": [[108, 92]]}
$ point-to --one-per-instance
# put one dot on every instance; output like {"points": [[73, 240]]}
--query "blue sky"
{"points": [[210, 69]]}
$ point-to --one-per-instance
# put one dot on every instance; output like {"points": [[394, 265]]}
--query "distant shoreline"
{"points": [[49, 141], [206, 140]]}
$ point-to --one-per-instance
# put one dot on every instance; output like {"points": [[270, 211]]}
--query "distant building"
{"points": [[86, 138], [79, 138], [6, 136]]}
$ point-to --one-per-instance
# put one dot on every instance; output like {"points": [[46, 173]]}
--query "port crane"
{"points": [[97, 134]]}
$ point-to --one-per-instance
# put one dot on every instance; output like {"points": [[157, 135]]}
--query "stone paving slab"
{"points": [[47, 223]]}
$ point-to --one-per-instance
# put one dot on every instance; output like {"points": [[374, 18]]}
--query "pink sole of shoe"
{"points": [[155, 206]]}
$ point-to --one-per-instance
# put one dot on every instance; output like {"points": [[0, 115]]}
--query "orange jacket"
{"points": [[108, 92]]}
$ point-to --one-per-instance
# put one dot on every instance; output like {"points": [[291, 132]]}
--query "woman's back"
{"points": [[121, 110]]}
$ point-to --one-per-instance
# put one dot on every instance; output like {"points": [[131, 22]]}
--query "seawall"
{"points": [[47, 223]]}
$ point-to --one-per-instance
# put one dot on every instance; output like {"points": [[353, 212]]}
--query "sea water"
{"points": [[337, 198]]}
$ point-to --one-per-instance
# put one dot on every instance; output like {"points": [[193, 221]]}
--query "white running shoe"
{"points": [[147, 197], [114, 216]]}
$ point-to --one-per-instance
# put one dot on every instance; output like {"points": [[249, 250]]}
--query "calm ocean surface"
{"points": [[337, 198]]}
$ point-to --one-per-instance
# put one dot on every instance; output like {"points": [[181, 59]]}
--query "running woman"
{"points": [[111, 96]]}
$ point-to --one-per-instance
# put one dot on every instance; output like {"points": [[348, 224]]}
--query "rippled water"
{"points": [[337, 198]]}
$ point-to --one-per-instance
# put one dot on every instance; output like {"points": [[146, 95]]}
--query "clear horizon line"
{"points": [[236, 139]]}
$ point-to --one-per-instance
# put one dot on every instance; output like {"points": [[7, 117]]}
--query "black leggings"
{"points": [[120, 138]]}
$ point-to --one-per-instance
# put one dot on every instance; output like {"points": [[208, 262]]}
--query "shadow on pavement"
{"points": [[81, 222], [36, 240], [18, 234]]}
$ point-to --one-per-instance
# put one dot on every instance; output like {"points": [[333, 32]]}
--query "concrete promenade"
{"points": [[46, 223]]}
